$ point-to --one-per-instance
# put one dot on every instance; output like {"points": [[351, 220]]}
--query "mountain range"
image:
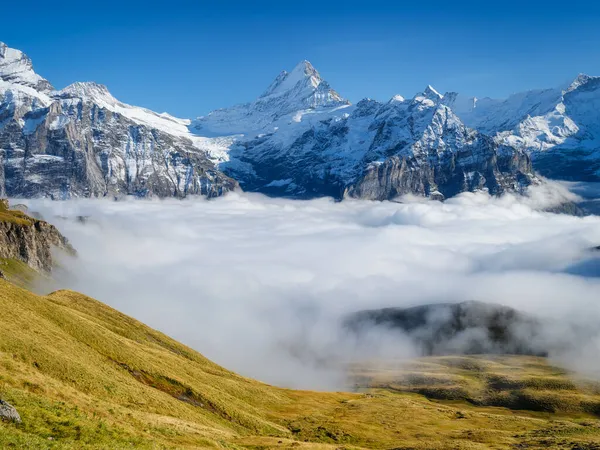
{"points": [[299, 139]]}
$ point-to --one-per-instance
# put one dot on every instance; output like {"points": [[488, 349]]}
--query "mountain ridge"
{"points": [[299, 138]]}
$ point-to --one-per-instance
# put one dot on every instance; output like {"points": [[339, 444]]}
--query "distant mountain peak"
{"points": [[86, 90], [292, 92], [305, 67], [303, 75], [432, 94], [16, 67], [581, 80], [397, 99]]}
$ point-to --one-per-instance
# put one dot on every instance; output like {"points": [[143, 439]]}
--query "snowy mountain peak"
{"points": [[397, 99], [16, 67], [97, 94], [86, 90], [305, 68], [304, 75], [291, 94], [581, 80], [432, 94]]}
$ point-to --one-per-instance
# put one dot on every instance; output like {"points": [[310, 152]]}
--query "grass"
{"points": [[18, 272], [515, 382], [14, 216], [83, 375]]}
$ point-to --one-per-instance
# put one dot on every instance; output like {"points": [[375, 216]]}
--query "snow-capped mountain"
{"points": [[16, 67], [377, 151], [81, 141], [559, 127], [292, 93], [299, 138]]}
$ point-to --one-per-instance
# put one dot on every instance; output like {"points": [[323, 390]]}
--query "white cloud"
{"points": [[258, 284]]}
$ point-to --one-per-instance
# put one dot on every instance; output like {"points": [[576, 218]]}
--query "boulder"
{"points": [[8, 412]]}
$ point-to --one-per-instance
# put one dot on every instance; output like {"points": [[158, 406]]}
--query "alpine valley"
{"points": [[299, 139]]}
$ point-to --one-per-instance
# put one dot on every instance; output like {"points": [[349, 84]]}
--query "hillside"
{"points": [[457, 328], [82, 375]]}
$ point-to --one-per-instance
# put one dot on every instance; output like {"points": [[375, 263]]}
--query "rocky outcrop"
{"points": [[30, 240], [479, 167], [8, 412]]}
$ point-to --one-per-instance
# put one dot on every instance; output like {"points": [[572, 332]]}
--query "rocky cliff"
{"points": [[29, 240]]}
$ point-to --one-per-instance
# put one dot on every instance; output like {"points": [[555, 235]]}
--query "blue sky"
{"points": [[188, 58]]}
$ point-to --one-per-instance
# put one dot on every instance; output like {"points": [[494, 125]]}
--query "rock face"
{"points": [[8, 412], [82, 142], [462, 328], [29, 240]]}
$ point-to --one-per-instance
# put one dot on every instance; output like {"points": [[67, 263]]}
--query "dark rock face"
{"points": [[8, 412], [30, 240], [462, 328], [477, 168]]}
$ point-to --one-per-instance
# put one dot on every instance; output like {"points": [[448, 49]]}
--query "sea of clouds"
{"points": [[259, 284]]}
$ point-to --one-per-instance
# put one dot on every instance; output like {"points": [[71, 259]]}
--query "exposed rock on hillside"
{"points": [[8, 412], [29, 240]]}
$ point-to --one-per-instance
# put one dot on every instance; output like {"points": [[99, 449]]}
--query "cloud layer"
{"points": [[259, 284]]}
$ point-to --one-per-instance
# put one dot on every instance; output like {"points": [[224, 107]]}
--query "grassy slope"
{"points": [[19, 273], [82, 375], [14, 216], [516, 382]]}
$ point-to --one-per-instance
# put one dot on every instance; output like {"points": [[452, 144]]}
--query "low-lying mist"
{"points": [[259, 285]]}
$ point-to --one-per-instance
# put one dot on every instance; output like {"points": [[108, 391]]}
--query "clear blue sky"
{"points": [[188, 58]]}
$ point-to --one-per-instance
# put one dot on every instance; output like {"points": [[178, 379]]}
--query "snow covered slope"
{"points": [[559, 127], [16, 68]]}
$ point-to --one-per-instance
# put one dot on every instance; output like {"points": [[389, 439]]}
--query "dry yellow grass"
{"points": [[516, 382], [19, 273], [14, 216], [83, 375]]}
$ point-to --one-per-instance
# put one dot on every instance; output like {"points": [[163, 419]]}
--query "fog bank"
{"points": [[259, 284]]}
